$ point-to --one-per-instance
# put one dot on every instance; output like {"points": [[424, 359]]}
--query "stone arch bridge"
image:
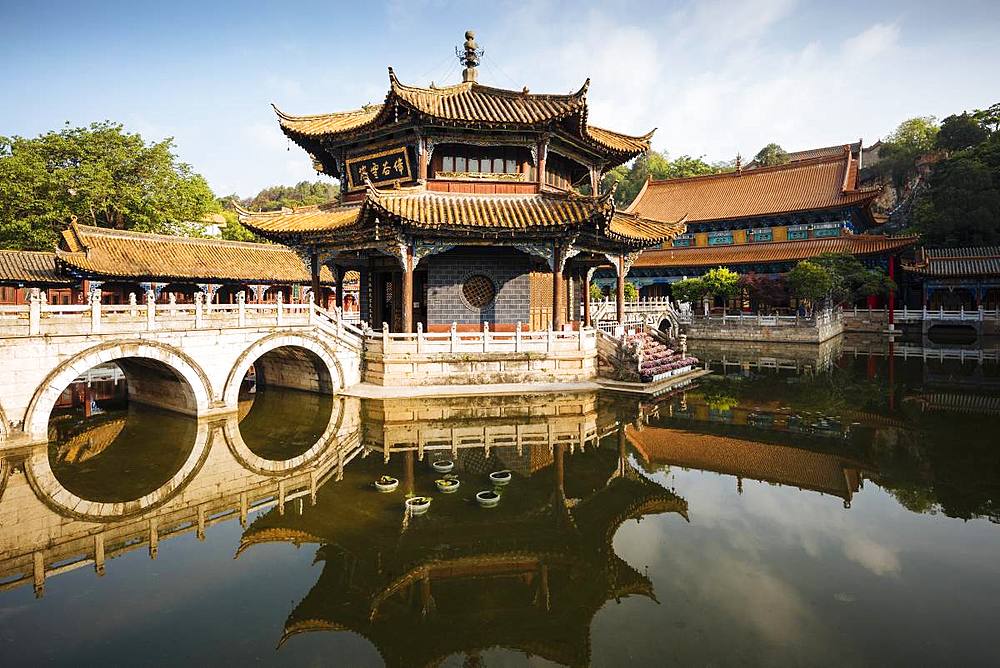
{"points": [[189, 358]]}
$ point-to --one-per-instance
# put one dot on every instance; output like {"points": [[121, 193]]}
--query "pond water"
{"points": [[834, 506]]}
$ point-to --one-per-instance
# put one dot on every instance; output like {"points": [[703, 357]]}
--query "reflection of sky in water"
{"points": [[780, 575], [774, 575], [194, 605]]}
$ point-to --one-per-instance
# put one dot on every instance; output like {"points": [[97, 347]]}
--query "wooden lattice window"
{"points": [[479, 291]]}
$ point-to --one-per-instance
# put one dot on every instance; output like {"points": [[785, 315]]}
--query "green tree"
{"points": [[852, 280], [960, 131], [102, 175], [988, 118], [961, 205], [810, 281], [691, 290], [772, 154], [596, 294], [303, 193], [900, 150], [721, 282], [631, 292], [630, 178], [234, 230]]}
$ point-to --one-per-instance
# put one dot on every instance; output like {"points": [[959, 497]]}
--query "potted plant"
{"points": [[488, 498], [500, 478], [417, 505], [447, 485], [386, 484], [443, 465]]}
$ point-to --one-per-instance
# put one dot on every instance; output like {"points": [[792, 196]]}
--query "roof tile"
{"points": [[800, 186], [30, 267], [775, 251], [117, 253]]}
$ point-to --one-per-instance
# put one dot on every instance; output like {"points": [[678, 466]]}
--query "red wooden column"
{"points": [[422, 173], [408, 289], [892, 293], [558, 311], [586, 299], [620, 306]]}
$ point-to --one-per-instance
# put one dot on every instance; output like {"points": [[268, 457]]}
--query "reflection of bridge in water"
{"points": [[48, 530], [455, 423]]}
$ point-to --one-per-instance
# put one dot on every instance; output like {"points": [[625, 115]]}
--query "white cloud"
{"points": [[874, 42], [877, 558]]}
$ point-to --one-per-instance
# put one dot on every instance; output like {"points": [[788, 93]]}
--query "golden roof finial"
{"points": [[469, 56], [739, 163]]}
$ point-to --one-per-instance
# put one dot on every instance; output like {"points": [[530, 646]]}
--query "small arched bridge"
{"points": [[189, 358], [657, 312]]}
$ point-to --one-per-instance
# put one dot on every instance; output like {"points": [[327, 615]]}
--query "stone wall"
{"points": [[568, 357], [508, 269], [747, 331]]}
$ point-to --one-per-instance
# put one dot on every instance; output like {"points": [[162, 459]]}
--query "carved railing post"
{"points": [[280, 317], [95, 311], [34, 312], [420, 337], [241, 309], [517, 337], [486, 337], [454, 336], [150, 310], [172, 304], [385, 338], [133, 307]]}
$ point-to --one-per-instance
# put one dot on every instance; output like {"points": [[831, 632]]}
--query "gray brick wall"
{"points": [[509, 270]]}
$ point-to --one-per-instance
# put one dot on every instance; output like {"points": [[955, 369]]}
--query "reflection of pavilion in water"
{"points": [[528, 575], [758, 443], [54, 524]]}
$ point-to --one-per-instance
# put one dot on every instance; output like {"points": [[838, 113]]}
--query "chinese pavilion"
{"points": [[762, 220], [466, 204]]}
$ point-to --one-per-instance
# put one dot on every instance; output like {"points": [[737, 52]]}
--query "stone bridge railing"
{"points": [[37, 318]]}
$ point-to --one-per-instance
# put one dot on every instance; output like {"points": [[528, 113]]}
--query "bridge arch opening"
{"points": [[112, 376], [292, 362]]}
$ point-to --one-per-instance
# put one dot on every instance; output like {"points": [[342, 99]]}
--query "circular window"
{"points": [[479, 291]]}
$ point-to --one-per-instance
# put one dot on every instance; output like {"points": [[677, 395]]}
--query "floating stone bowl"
{"points": [[418, 505], [500, 478], [447, 485], [386, 484], [488, 498], [443, 465]]}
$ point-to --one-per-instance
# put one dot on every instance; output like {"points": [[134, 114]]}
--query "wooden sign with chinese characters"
{"points": [[386, 167]]}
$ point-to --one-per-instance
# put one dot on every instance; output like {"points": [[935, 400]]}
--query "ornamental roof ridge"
{"points": [[81, 231], [464, 86], [787, 166], [368, 108]]}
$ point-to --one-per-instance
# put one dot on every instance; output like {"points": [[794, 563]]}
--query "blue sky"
{"points": [[715, 77]]}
